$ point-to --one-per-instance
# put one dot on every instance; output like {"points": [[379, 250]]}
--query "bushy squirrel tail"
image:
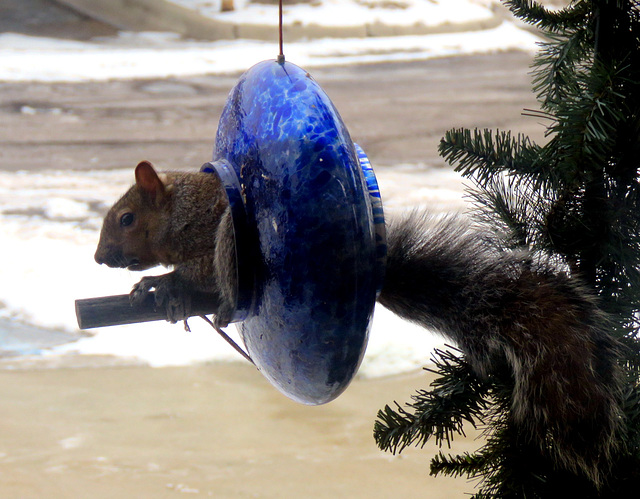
{"points": [[506, 306]]}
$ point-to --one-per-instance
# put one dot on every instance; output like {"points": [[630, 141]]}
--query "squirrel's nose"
{"points": [[103, 255], [98, 258], [113, 257]]}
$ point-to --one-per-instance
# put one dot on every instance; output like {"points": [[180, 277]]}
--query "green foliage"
{"points": [[561, 20], [482, 153], [440, 413], [574, 199]]}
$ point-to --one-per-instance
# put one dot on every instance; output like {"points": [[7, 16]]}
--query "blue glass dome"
{"points": [[309, 231]]}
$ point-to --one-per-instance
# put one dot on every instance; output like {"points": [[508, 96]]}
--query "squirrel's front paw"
{"points": [[224, 314], [141, 289], [169, 294]]}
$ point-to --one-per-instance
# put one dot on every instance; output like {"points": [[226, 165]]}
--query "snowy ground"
{"points": [[333, 13], [57, 213], [146, 55]]}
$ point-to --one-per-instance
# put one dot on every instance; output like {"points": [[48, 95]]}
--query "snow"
{"points": [[340, 13], [158, 55]]}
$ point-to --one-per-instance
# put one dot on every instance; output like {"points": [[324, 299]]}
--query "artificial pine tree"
{"points": [[574, 200]]}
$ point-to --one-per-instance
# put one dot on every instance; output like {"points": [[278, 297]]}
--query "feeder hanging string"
{"points": [[281, 54]]}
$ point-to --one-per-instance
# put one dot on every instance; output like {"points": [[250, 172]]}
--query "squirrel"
{"points": [[445, 274], [174, 219]]}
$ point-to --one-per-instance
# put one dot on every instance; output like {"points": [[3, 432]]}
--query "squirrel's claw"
{"points": [[178, 306], [141, 289], [224, 315], [169, 294]]}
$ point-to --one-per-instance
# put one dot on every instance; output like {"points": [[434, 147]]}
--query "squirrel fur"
{"points": [[498, 306]]}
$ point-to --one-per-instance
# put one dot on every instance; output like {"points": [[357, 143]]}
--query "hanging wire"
{"points": [[228, 339], [281, 54]]}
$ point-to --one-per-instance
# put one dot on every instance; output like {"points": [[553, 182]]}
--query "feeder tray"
{"points": [[309, 231]]}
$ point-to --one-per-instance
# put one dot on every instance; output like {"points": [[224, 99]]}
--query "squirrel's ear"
{"points": [[149, 182]]}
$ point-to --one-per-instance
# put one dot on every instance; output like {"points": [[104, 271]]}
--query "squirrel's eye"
{"points": [[126, 219]]}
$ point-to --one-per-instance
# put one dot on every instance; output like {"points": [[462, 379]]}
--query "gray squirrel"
{"points": [[445, 275], [174, 219]]}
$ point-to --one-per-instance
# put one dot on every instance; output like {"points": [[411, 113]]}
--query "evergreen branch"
{"points": [[535, 113], [466, 464], [556, 66], [394, 429], [587, 124], [457, 397], [482, 154], [534, 13], [513, 207]]}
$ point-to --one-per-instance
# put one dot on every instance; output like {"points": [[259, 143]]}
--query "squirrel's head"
{"points": [[132, 227]]}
